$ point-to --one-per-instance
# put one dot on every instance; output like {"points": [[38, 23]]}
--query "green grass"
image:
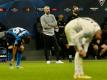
{"points": [[39, 70]]}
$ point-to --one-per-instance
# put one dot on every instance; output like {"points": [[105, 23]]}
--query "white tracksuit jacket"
{"points": [[79, 29]]}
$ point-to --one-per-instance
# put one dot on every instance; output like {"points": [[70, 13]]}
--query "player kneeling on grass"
{"points": [[79, 33], [16, 38]]}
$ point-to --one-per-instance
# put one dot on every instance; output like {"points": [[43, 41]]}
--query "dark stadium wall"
{"points": [[21, 13], [25, 13], [94, 9], [16, 13]]}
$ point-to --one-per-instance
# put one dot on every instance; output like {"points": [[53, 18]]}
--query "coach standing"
{"points": [[49, 24]]}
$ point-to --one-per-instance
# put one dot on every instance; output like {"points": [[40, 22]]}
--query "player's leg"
{"points": [[56, 49], [77, 59], [10, 42], [78, 62], [78, 65], [14, 53], [10, 57], [79, 72], [47, 48], [85, 47], [18, 60], [19, 56]]}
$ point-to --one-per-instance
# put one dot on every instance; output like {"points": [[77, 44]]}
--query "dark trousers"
{"points": [[49, 43]]}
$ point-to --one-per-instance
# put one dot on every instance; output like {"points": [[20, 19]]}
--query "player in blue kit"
{"points": [[16, 38]]}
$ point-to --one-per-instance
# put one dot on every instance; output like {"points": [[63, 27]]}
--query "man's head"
{"points": [[75, 9], [60, 17], [47, 9]]}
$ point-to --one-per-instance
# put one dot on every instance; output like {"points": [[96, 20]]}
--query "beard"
{"points": [[48, 13]]}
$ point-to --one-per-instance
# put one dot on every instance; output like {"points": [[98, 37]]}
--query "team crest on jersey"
{"points": [[101, 2]]}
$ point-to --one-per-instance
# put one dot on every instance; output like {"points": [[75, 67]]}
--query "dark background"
{"points": [[28, 19]]}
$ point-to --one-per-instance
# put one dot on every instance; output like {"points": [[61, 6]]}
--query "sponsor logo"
{"points": [[67, 9], [14, 9], [54, 9], [94, 8], [39, 9]]}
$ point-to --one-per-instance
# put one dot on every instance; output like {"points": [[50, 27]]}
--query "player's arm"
{"points": [[44, 23], [21, 48], [15, 46], [53, 23], [78, 43], [103, 48]]}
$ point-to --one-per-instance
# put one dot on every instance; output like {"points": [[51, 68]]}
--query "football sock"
{"points": [[78, 64]]}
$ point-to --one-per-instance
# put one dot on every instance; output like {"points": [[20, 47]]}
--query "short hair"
{"points": [[45, 7]]}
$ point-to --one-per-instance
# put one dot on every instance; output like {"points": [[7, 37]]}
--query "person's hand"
{"points": [[104, 46], [10, 47], [95, 47], [52, 25], [82, 53]]}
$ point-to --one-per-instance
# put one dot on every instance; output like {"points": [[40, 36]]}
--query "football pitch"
{"points": [[39, 70]]}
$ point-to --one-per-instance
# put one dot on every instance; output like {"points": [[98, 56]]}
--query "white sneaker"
{"points": [[19, 67], [82, 77], [48, 62], [59, 62]]}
